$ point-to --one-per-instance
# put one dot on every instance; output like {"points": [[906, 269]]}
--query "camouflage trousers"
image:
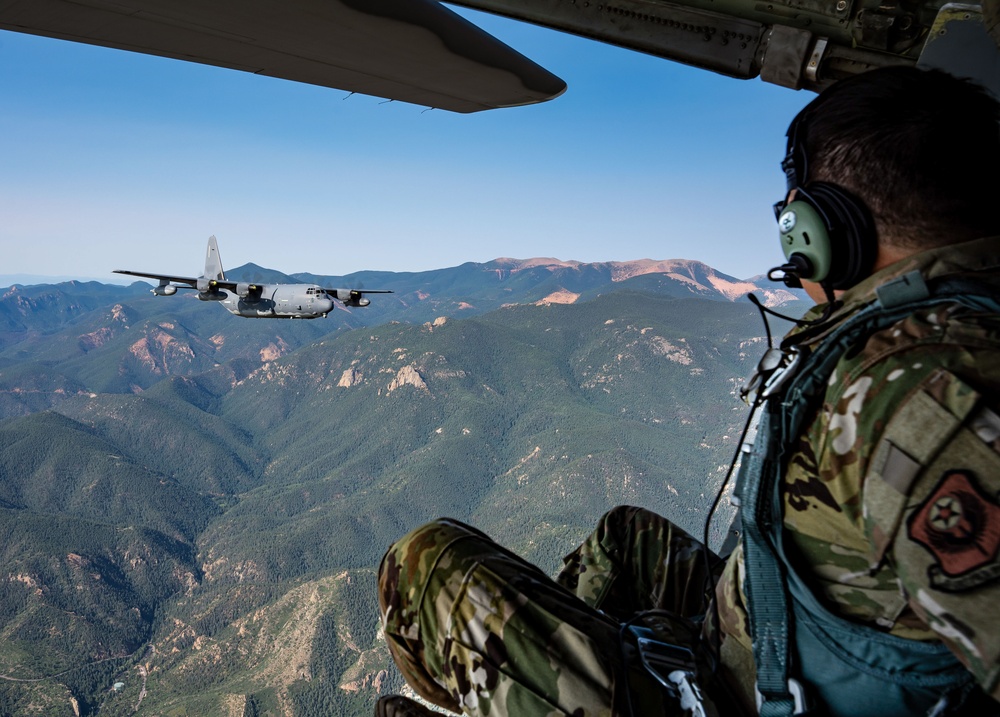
{"points": [[476, 629]]}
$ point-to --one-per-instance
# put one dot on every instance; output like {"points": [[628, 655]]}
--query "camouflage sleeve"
{"points": [[932, 513], [914, 424], [636, 560]]}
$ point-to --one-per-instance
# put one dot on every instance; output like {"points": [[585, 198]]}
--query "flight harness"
{"points": [[842, 668]]}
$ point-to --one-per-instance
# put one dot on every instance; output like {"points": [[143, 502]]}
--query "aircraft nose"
{"points": [[325, 306]]}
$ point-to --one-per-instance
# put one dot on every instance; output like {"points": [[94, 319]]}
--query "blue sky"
{"points": [[119, 160]]}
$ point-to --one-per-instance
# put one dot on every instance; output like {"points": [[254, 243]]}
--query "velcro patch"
{"points": [[960, 526]]}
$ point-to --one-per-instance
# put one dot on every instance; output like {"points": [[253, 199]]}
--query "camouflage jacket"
{"points": [[891, 496]]}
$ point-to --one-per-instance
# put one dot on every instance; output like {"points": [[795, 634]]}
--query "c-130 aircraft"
{"points": [[256, 301]]}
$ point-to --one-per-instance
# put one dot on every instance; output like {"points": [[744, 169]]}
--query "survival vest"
{"points": [[809, 660]]}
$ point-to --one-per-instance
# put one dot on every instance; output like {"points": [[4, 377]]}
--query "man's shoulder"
{"points": [[927, 382], [896, 359], [941, 359]]}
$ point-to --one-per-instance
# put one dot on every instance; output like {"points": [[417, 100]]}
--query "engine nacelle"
{"points": [[212, 295], [243, 290], [351, 297], [164, 290]]}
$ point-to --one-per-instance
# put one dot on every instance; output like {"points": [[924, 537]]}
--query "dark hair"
{"points": [[921, 148]]}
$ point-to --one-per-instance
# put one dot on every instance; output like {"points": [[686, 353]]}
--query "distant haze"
{"points": [[624, 269], [33, 279]]}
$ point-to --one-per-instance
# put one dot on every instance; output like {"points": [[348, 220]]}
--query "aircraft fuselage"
{"points": [[277, 301]]}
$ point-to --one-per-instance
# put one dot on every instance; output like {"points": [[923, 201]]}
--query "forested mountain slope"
{"points": [[205, 532]]}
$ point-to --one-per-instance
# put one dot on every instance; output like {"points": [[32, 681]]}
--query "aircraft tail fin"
{"points": [[213, 262]]}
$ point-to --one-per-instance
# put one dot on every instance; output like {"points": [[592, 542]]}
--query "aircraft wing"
{"points": [[411, 50], [421, 52], [187, 281], [354, 297], [801, 44], [362, 291], [190, 282]]}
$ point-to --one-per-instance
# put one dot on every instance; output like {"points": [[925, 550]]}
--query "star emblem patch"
{"points": [[960, 526], [946, 514]]}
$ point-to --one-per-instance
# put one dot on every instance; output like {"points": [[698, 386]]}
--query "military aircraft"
{"points": [[418, 51], [256, 301]]}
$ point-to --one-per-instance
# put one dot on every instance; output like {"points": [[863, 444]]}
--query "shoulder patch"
{"points": [[960, 526]]}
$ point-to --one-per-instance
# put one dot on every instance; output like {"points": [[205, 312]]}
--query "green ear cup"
{"points": [[804, 232]]}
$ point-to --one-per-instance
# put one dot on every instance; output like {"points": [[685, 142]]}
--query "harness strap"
{"points": [[759, 485], [767, 599]]}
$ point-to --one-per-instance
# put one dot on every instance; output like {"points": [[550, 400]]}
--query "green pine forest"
{"points": [[193, 505]]}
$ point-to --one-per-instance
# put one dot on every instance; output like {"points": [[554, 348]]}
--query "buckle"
{"points": [[775, 368], [795, 690], [673, 666], [688, 692]]}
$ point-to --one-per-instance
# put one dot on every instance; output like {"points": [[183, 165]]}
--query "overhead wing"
{"points": [[794, 43], [411, 50]]}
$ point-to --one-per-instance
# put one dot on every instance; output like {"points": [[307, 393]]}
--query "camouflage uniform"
{"points": [[906, 439], [890, 501]]}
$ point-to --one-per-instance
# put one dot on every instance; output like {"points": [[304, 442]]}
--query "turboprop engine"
{"points": [[208, 291], [164, 289], [350, 297]]}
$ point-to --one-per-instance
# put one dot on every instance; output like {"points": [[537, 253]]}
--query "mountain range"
{"points": [[193, 504]]}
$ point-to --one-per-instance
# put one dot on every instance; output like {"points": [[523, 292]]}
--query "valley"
{"points": [[193, 505]]}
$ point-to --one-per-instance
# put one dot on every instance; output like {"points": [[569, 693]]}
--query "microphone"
{"points": [[791, 273]]}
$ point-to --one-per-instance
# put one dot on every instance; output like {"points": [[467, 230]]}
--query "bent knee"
{"points": [[408, 564], [624, 519], [620, 515]]}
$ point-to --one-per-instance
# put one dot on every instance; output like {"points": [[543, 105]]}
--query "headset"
{"points": [[828, 234]]}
